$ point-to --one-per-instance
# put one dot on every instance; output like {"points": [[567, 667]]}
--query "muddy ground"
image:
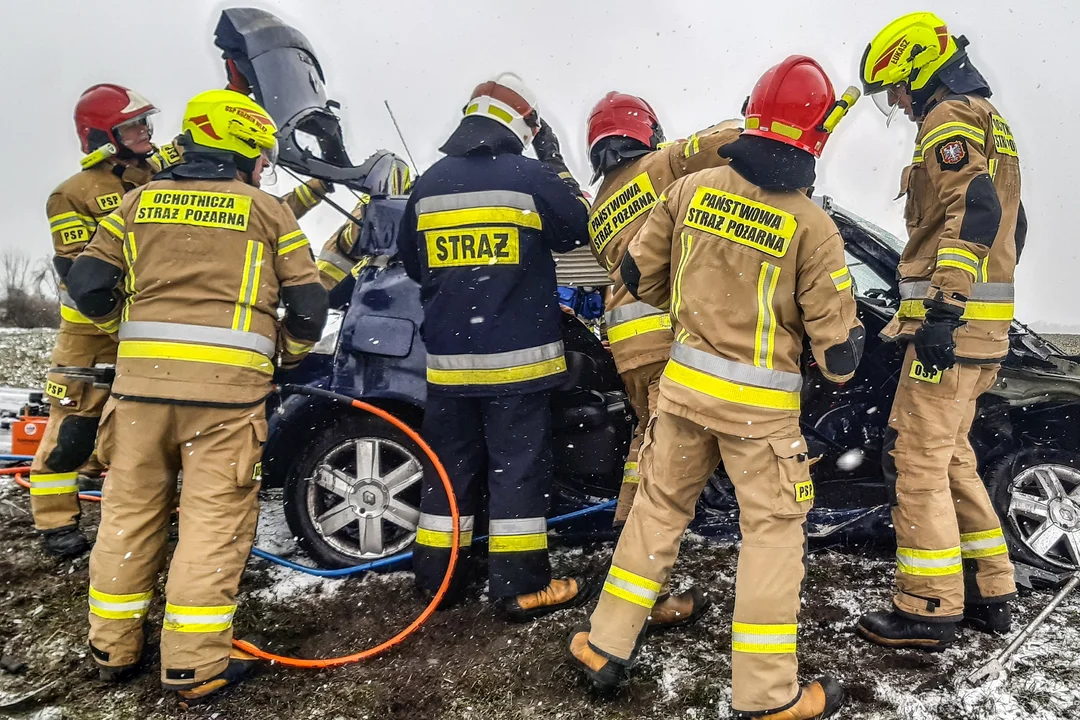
{"points": [[467, 663]]}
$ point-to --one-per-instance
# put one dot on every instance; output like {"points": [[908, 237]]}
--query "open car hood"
{"points": [[287, 79]]}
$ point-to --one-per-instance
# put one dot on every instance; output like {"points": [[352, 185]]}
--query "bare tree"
{"points": [[28, 292]]}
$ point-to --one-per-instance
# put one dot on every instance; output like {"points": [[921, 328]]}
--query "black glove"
{"points": [[546, 144], [934, 344]]}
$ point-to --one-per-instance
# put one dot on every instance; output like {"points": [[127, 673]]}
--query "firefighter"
{"points": [[747, 265], [189, 271], [114, 129], [965, 223], [477, 234], [627, 150]]}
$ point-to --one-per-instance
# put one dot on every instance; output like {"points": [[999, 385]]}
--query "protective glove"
{"points": [[934, 343], [546, 144]]}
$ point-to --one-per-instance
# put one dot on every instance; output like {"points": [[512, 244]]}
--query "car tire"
{"points": [[323, 490], [1022, 502]]}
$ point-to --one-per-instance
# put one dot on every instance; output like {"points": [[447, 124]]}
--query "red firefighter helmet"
{"points": [[621, 115], [790, 104], [102, 108]]}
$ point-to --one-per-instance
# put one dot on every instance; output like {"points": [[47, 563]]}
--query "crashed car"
{"points": [[352, 482]]}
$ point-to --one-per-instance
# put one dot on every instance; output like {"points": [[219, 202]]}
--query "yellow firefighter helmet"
{"points": [[228, 121], [909, 50]]}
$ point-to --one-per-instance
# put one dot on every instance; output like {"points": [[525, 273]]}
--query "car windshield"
{"points": [[865, 278], [893, 242]]}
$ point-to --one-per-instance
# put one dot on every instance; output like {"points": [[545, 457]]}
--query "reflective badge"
{"points": [[203, 209], [804, 491], [741, 220], [953, 155], [256, 472], [628, 203], [108, 202], [1003, 137], [169, 154], [923, 373], [74, 235], [55, 389], [462, 247]]}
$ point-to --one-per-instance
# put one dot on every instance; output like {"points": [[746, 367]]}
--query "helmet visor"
{"points": [[269, 170], [139, 121], [888, 102]]}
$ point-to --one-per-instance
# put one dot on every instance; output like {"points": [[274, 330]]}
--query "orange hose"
{"points": [[415, 625]]}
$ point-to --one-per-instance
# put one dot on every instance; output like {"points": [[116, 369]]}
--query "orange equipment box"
{"points": [[26, 434]]}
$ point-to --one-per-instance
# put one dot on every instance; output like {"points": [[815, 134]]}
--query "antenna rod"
{"points": [[400, 135]]}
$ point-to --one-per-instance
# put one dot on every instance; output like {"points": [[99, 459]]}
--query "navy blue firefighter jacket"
{"points": [[477, 234]]}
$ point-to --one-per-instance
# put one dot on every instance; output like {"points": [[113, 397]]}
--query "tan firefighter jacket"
{"points": [[203, 265], [963, 202], [639, 333], [336, 259], [74, 209], [300, 200], [745, 273]]}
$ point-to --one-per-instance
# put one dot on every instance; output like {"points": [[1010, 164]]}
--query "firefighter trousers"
{"points": [[772, 485], [643, 389], [500, 446], [146, 446], [948, 535], [67, 446]]}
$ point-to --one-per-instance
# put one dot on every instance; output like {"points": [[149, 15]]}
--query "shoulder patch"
{"points": [[108, 203], [952, 154]]}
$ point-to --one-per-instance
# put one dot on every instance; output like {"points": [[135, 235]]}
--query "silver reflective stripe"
{"points": [[991, 292], [982, 544], [66, 300], [183, 619], [445, 523], [497, 361], [633, 311], [925, 562], [957, 257], [736, 372], [42, 484], [632, 588], [119, 606], [482, 199], [766, 287], [520, 526], [339, 261], [756, 639], [202, 334]]}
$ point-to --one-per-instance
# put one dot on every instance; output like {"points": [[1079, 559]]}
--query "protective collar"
{"points": [[611, 152], [770, 164], [198, 165], [480, 134], [958, 75]]}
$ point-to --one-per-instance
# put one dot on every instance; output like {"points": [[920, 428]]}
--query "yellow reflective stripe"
{"points": [[631, 587], [729, 391], [686, 242], [929, 563], [984, 266], [330, 269], [917, 157], [633, 328], [127, 606], [984, 543], [249, 286], [131, 254], [296, 347], [841, 278], [954, 129], [638, 580], [959, 251], [960, 266], [441, 539], [74, 316], [630, 472], [974, 310], [478, 216], [114, 224], [54, 483], [517, 543], [764, 638], [497, 376], [693, 146], [196, 619], [65, 221], [307, 197], [109, 326], [293, 241], [162, 350], [993, 167], [765, 335], [500, 113]]}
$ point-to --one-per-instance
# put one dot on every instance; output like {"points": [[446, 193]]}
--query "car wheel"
{"points": [[1037, 496], [355, 495]]}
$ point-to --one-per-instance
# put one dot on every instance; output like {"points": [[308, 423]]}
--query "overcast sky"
{"points": [[695, 61]]}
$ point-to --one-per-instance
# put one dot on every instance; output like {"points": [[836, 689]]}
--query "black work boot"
{"points": [[64, 542], [672, 611], [560, 593], [991, 618], [820, 699], [891, 629], [605, 675], [118, 674], [241, 667]]}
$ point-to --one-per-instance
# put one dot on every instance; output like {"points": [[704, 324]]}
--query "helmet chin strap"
{"points": [[892, 115]]}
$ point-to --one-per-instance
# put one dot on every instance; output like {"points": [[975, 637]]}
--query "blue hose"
{"points": [[13, 458], [402, 557]]}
